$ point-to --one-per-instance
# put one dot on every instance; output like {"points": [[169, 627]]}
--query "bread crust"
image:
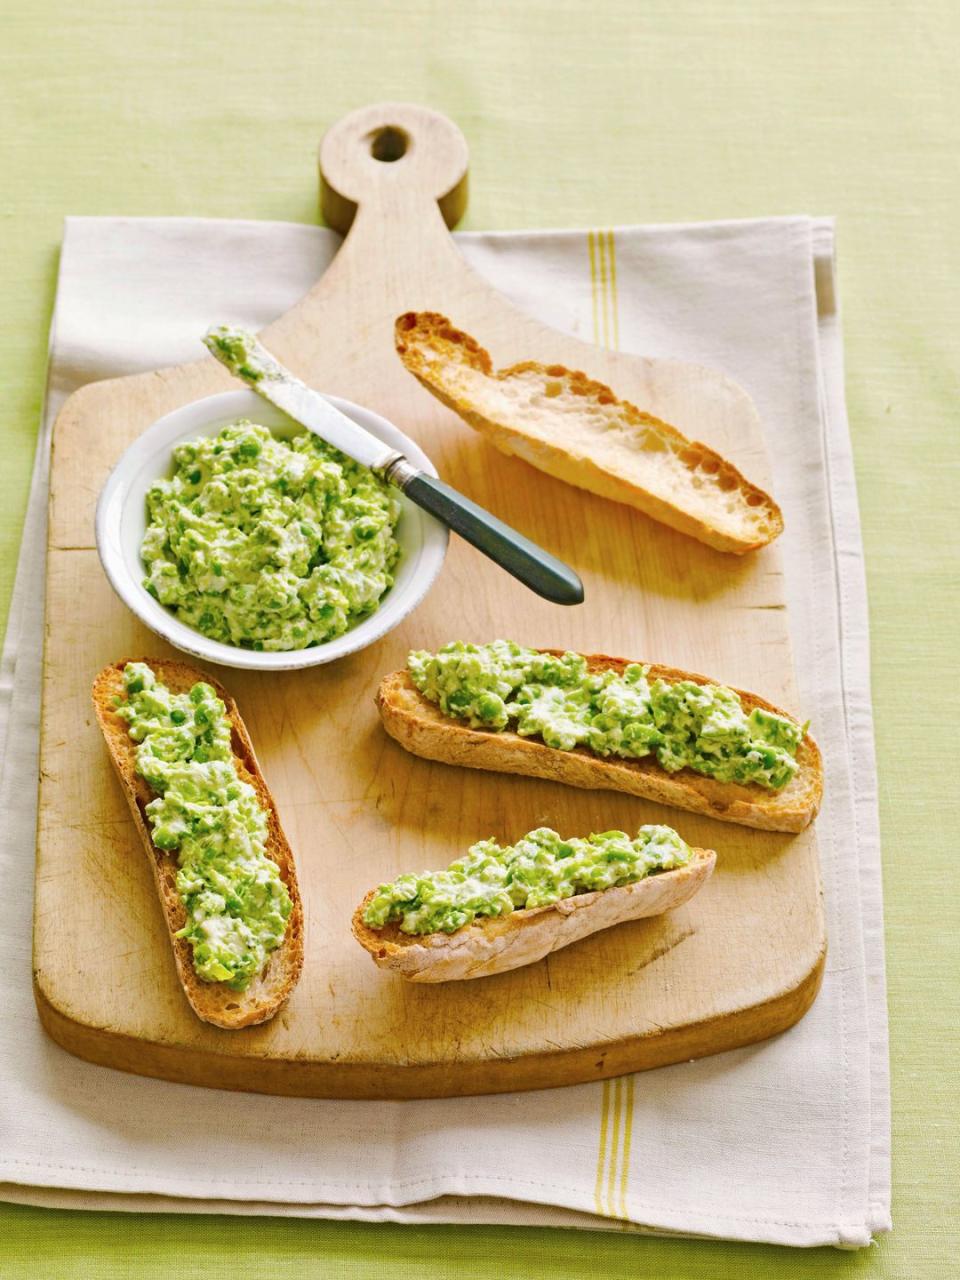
{"points": [[499, 943], [423, 729], [213, 1002], [578, 430]]}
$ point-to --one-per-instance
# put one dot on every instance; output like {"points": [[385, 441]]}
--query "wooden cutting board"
{"points": [[739, 963]]}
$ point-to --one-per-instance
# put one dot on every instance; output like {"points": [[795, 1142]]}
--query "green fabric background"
{"points": [[577, 114]]}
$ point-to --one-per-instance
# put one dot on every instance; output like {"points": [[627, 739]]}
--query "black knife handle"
{"points": [[534, 567]]}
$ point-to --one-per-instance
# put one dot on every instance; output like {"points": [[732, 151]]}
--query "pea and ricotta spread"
{"points": [[684, 725], [242, 354], [540, 869], [269, 544], [236, 903]]}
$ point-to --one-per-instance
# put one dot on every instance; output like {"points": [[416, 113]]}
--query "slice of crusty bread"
{"points": [[214, 1002], [499, 943], [419, 725], [579, 431]]}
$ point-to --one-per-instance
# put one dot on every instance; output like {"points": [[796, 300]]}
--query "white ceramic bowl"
{"points": [[122, 520]]}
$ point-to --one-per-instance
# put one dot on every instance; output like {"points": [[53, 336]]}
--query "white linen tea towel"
{"points": [[786, 1141]]}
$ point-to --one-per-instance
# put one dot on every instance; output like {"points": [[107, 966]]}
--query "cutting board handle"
{"points": [[392, 156]]}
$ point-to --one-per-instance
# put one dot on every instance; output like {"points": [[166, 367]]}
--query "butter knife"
{"points": [[247, 359]]}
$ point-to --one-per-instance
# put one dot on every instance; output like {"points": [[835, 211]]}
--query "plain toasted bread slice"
{"points": [[499, 943], [420, 726], [579, 431], [214, 1002]]}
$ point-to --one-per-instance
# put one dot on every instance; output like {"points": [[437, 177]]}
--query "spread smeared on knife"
{"points": [[241, 353]]}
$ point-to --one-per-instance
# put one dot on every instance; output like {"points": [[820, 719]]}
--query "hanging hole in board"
{"points": [[389, 144]]}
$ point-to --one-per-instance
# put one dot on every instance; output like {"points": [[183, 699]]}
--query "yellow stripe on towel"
{"points": [[616, 1105], [602, 1156]]}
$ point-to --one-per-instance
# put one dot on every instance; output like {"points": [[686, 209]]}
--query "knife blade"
{"points": [[247, 358]]}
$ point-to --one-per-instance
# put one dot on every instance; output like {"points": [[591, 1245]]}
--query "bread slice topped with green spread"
{"points": [[610, 724], [500, 907], [580, 431], [222, 866]]}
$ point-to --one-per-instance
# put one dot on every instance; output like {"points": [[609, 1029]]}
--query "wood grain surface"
{"points": [[740, 962]]}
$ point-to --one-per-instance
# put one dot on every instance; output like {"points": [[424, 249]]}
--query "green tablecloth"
{"points": [[577, 113]]}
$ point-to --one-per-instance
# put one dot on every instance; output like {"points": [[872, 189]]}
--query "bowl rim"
{"points": [[218, 409]]}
